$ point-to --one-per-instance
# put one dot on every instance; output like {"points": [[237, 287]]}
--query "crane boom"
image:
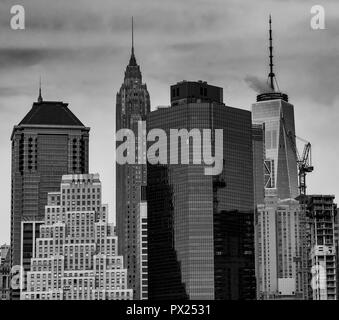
{"points": [[304, 163]]}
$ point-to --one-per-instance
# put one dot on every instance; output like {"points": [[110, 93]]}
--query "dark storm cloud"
{"points": [[54, 15], [24, 57], [13, 58], [108, 15], [12, 92]]}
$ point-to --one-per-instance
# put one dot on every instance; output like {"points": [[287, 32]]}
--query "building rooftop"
{"points": [[50, 113], [195, 91], [272, 96]]}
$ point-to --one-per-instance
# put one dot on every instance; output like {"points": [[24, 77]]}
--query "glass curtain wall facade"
{"points": [[278, 117], [195, 221]]}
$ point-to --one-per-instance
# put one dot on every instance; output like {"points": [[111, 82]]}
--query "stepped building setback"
{"points": [[76, 253], [49, 141]]}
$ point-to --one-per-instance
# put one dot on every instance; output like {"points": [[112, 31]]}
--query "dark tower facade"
{"points": [[50, 141], [132, 106], [200, 227]]}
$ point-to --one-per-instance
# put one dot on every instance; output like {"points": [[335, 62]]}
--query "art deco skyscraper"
{"points": [[49, 141], [132, 106], [76, 256], [200, 227]]}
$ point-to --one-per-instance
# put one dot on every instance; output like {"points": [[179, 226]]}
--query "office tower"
{"points": [[322, 211], [76, 255], [142, 244], [3, 252], [4, 271], [258, 142], [49, 141], [278, 241], [5, 275], [30, 230], [273, 109], [280, 268], [200, 227], [132, 106], [336, 238]]}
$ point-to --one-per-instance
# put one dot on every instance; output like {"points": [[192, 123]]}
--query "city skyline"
{"points": [[168, 61]]}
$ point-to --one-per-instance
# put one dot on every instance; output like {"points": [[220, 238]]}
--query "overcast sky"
{"points": [[81, 49]]}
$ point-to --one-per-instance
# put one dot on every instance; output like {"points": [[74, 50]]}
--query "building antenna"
{"points": [[40, 96], [271, 74], [132, 36]]}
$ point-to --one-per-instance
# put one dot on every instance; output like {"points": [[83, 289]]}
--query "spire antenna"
{"points": [[40, 96], [271, 74], [132, 60], [132, 36]]}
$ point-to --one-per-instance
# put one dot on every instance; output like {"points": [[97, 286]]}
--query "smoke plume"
{"points": [[258, 85]]}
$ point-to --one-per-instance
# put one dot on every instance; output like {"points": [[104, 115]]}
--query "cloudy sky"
{"points": [[80, 48]]}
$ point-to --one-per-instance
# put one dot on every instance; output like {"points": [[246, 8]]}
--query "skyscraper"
{"points": [[274, 111], [132, 106], [5, 276], [278, 217], [323, 261], [336, 238], [142, 245], [3, 252], [200, 227], [258, 146], [278, 241], [49, 141], [76, 255], [258, 141]]}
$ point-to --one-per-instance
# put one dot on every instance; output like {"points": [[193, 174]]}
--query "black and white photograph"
{"points": [[163, 155]]}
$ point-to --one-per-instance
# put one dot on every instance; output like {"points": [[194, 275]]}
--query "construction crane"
{"points": [[304, 165], [304, 162]]}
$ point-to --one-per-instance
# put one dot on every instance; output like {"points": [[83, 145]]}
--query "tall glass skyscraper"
{"points": [[280, 264], [274, 111], [132, 106], [279, 222], [258, 141], [50, 141], [200, 227]]}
